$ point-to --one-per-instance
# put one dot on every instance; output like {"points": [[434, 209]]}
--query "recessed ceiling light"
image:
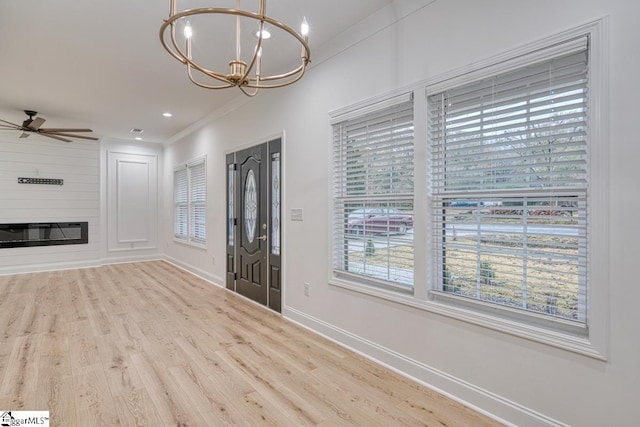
{"points": [[167, 114], [138, 138]]}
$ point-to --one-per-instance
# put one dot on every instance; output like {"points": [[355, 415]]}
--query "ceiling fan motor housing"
{"points": [[29, 113]]}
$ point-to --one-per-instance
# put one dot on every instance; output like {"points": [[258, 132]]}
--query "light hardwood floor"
{"points": [[149, 344]]}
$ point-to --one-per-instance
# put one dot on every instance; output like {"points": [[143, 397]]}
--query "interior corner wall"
{"points": [[523, 382], [77, 163]]}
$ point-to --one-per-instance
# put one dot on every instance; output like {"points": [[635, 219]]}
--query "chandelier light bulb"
{"points": [[304, 27], [265, 34], [188, 32]]}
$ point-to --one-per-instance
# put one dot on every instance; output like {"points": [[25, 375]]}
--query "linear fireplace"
{"points": [[43, 234]]}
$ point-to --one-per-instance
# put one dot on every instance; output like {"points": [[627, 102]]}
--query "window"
{"points": [[373, 194], [190, 202], [508, 197], [509, 176]]}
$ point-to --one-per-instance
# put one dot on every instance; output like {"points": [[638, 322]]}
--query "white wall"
{"points": [[131, 196], [77, 163], [521, 381]]}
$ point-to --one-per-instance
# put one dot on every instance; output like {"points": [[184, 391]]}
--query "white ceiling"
{"points": [[100, 64]]}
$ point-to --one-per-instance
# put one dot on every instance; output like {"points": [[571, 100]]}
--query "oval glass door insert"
{"points": [[250, 206]]}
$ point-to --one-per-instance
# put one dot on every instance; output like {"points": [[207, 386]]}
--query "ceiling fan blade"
{"points": [[48, 135], [36, 123], [9, 123], [69, 135], [48, 130], [24, 135]]}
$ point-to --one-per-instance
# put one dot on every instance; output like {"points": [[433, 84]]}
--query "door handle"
{"points": [[262, 237]]}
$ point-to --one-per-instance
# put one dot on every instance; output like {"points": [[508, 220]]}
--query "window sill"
{"points": [[554, 338], [190, 243]]}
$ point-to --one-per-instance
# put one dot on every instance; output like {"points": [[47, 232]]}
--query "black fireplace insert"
{"points": [[43, 234]]}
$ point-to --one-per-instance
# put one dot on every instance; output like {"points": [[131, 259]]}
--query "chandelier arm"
{"points": [[276, 85], [249, 94], [206, 86], [221, 77], [300, 69], [183, 58], [291, 31], [254, 57], [164, 43], [179, 54], [244, 13]]}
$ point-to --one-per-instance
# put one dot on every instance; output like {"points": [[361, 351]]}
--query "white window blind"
{"points": [[198, 202], [190, 201], [373, 194], [180, 203], [509, 181]]}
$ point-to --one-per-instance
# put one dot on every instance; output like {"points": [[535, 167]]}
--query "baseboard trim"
{"points": [[470, 395], [66, 265], [204, 275], [129, 259], [53, 266]]}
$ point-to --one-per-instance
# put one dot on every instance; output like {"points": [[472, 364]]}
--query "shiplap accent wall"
{"points": [[77, 163]]}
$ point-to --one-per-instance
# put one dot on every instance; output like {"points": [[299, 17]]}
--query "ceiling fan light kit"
{"points": [[33, 125], [247, 75]]}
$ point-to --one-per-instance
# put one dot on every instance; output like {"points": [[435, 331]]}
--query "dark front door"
{"points": [[253, 227], [254, 233]]}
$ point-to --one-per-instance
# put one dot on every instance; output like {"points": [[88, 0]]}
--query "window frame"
{"points": [[593, 341], [441, 194], [190, 238], [365, 111]]}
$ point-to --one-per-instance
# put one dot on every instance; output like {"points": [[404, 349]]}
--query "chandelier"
{"points": [[246, 70]]}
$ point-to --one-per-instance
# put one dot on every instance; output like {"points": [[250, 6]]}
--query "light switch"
{"points": [[296, 214]]}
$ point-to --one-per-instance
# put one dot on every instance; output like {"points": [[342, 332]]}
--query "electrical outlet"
{"points": [[306, 289]]}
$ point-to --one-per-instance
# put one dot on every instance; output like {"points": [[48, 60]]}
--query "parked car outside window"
{"points": [[379, 220]]}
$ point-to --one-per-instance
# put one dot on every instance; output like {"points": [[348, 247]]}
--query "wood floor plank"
{"points": [[439, 410], [205, 396], [148, 344], [280, 385], [20, 381], [169, 400], [11, 311], [83, 350], [95, 405], [56, 392], [133, 404]]}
